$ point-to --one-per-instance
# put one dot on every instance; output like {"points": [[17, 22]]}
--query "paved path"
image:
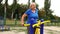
{"points": [[10, 32], [51, 30], [47, 30]]}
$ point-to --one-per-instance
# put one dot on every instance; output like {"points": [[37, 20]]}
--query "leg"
{"points": [[31, 30]]}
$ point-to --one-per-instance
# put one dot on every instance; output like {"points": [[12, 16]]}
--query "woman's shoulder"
{"points": [[28, 9], [36, 9]]}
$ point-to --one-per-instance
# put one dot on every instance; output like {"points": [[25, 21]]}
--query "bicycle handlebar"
{"points": [[39, 23]]}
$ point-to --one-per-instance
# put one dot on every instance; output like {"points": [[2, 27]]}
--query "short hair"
{"points": [[32, 3]]}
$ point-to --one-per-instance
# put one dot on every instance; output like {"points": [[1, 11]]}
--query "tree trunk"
{"points": [[5, 9], [33, 0], [28, 3], [12, 15]]}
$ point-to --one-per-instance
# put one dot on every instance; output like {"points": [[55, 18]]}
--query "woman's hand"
{"points": [[22, 23]]}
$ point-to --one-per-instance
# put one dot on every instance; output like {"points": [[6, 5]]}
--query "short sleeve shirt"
{"points": [[32, 17]]}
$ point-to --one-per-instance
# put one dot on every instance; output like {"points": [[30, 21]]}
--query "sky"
{"points": [[55, 6]]}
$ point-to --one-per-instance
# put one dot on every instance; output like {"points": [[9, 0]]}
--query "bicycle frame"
{"points": [[38, 25]]}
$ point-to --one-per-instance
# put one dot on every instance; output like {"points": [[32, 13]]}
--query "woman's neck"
{"points": [[33, 10]]}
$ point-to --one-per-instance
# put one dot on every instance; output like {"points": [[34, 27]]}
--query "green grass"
{"points": [[52, 24], [12, 23]]}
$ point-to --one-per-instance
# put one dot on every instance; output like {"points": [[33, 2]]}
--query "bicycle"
{"points": [[37, 25]]}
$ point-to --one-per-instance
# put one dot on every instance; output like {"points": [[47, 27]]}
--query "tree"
{"points": [[42, 13], [5, 10], [33, 0], [28, 3], [47, 4], [0, 1], [1, 10], [14, 6]]}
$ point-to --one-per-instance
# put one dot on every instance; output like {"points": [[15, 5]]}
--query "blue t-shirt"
{"points": [[32, 17]]}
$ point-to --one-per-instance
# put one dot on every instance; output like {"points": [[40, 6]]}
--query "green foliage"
{"points": [[0, 1], [1, 10], [33, 0], [47, 9], [49, 12], [20, 9], [46, 12]]}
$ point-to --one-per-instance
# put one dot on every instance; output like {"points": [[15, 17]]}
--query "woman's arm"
{"points": [[22, 19]]}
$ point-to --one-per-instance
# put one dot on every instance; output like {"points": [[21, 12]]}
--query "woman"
{"points": [[32, 14]]}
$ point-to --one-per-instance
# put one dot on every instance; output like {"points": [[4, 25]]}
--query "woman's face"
{"points": [[33, 6]]}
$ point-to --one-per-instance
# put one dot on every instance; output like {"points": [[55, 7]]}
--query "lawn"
{"points": [[18, 23]]}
